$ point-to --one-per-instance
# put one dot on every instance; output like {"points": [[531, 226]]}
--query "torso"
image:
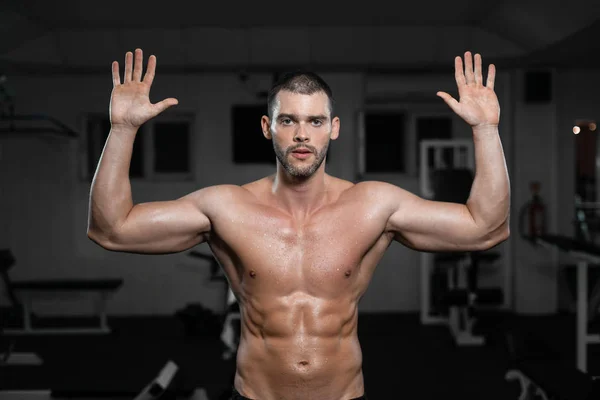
{"points": [[298, 285]]}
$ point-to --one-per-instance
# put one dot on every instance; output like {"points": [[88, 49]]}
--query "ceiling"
{"points": [[552, 32]]}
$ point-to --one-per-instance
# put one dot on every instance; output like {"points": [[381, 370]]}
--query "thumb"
{"points": [[163, 105], [451, 101]]}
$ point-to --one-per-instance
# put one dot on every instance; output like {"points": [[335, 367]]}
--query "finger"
{"points": [[469, 68], [451, 101], [478, 76], [459, 74], [128, 67], [491, 76], [163, 105], [137, 65], [115, 74], [150, 69]]}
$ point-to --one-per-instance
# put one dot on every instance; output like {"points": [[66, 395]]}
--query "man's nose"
{"points": [[301, 135]]}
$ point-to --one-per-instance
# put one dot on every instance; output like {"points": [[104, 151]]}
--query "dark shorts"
{"points": [[235, 395]]}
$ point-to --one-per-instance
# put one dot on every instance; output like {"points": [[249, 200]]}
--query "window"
{"points": [[384, 141], [161, 150], [381, 141], [390, 137], [171, 148], [249, 144]]}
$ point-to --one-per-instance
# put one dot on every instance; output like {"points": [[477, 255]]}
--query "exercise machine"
{"points": [[8, 355], [230, 331], [585, 254], [446, 174], [159, 385], [22, 294], [543, 375]]}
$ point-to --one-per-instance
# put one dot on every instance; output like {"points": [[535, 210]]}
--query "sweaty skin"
{"points": [[298, 283], [298, 247]]}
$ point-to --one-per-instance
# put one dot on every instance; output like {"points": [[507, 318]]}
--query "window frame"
{"points": [[147, 129], [411, 112]]}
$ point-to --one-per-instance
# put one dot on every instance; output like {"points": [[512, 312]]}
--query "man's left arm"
{"points": [[483, 221]]}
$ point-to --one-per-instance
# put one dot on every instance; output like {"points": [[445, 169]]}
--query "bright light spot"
{"points": [[592, 126], [576, 129]]}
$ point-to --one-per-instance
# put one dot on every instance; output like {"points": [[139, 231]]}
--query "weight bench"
{"points": [[22, 294], [543, 375]]}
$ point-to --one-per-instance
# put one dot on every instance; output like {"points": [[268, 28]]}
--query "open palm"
{"points": [[478, 104], [130, 104]]}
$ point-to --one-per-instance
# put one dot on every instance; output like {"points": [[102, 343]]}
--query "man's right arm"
{"points": [[158, 227], [114, 222]]}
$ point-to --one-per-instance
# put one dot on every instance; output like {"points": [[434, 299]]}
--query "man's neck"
{"points": [[300, 197]]}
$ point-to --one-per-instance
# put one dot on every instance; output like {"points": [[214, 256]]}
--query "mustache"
{"points": [[303, 147]]}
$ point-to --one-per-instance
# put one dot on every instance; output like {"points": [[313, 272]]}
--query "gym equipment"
{"points": [[159, 385], [587, 255], [542, 374], [462, 295], [155, 390], [430, 161], [22, 293], [9, 357], [231, 311], [36, 124], [587, 226], [446, 172]]}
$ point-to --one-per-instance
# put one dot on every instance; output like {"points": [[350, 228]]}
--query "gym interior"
{"points": [[518, 321]]}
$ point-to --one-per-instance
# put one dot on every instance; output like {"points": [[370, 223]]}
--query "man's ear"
{"points": [[265, 122], [335, 128]]}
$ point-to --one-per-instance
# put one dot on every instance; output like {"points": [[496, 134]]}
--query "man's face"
{"points": [[301, 128]]}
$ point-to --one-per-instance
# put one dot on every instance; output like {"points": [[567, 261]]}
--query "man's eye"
{"points": [[286, 121], [317, 122]]}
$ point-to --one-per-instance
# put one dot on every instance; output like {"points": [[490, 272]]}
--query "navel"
{"points": [[252, 274], [348, 273]]}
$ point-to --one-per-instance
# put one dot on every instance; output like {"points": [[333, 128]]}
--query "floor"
{"points": [[401, 359]]}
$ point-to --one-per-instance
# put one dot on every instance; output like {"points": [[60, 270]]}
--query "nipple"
{"points": [[252, 274]]}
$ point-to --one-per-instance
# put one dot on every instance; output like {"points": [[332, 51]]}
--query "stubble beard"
{"points": [[300, 171]]}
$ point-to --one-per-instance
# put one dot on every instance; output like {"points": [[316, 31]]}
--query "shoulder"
{"points": [[382, 195], [376, 188], [213, 197]]}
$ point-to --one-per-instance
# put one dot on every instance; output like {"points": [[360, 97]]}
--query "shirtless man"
{"points": [[298, 247]]}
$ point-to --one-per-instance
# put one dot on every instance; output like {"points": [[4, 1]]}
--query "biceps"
{"points": [[161, 227], [427, 225]]}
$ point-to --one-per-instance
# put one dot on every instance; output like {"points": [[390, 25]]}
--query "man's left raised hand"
{"points": [[478, 104]]}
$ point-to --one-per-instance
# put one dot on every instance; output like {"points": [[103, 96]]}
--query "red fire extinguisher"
{"points": [[532, 218]]}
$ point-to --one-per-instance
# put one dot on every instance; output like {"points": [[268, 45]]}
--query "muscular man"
{"points": [[299, 247]]}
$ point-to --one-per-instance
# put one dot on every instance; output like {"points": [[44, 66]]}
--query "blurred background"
{"points": [[385, 62]]}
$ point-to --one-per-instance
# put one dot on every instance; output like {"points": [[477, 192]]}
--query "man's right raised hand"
{"points": [[130, 103]]}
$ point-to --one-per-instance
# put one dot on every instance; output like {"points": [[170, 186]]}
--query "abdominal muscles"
{"points": [[299, 340]]}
